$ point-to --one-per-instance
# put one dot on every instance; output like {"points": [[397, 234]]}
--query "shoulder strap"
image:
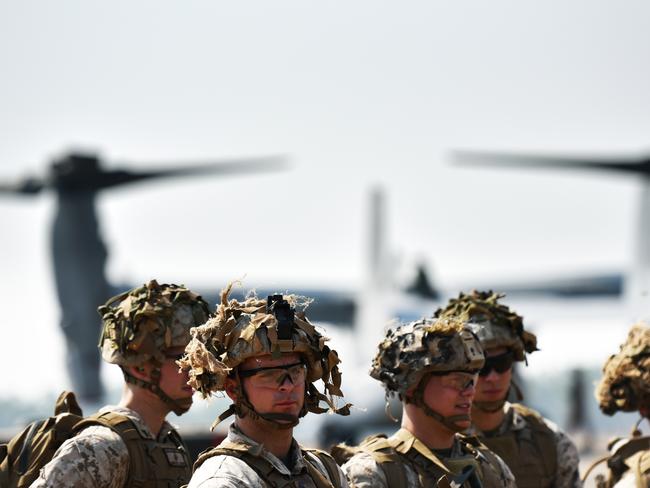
{"points": [[387, 458], [317, 477], [128, 431], [633, 446], [331, 467], [264, 469]]}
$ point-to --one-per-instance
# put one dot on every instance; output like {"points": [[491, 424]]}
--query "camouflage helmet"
{"points": [[625, 384], [140, 324], [410, 351], [257, 327], [494, 323]]}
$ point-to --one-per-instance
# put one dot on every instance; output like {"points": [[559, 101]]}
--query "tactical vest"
{"points": [[267, 472], [634, 455], [395, 453], [152, 463], [530, 453]]}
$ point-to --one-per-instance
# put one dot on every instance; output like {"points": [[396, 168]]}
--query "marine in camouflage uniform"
{"points": [[625, 386], [536, 450], [265, 355], [145, 331], [432, 366]]}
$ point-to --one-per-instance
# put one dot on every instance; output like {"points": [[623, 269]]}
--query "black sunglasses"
{"points": [[500, 364]]}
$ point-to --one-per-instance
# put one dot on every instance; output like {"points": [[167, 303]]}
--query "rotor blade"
{"points": [[622, 165], [27, 186], [224, 167]]}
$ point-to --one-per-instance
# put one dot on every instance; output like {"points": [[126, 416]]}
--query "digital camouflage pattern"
{"points": [[522, 441], [225, 471], [241, 330], [411, 351], [98, 456], [419, 467], [494, 323], [625, 384]]}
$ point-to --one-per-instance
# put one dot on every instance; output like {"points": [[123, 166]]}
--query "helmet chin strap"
{"points": [[178, 406], [449, 421], [242, 407]]}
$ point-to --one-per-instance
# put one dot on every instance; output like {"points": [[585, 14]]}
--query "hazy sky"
{"points": [[358, 93]]}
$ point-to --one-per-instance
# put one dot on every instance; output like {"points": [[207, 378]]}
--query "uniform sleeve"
{"points": [[225, 472], [95, 458], [568, 474], [362, 471]]}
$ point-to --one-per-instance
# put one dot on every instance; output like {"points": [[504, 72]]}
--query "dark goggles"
{"points": [[500, 364]]}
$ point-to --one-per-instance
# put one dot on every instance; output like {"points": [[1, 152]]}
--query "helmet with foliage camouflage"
{"points": [[409, 353], [258, 327], [141, 324], [625, 384], [494, 323]]}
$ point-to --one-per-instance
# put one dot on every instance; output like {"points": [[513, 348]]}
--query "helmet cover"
{"points": [[494, 323], [625, 384], [428, 345], [141, 324], [242, 330]]}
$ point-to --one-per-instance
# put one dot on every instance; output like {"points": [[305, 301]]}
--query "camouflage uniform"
{"points": [[420, 464], [242, 330], [536, 450], [407, 357], [139, 326], [517, 425], [96, 457], [625, 386], [226, 471]]}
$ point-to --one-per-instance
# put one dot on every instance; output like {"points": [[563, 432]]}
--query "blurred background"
{"points": [[367, 102]]}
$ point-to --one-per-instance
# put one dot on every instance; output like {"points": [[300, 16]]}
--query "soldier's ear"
{"points": [[139, 372], [232, 389]]}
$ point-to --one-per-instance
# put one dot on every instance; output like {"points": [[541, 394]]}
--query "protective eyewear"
{"points": [[459, 381], [274, 376], [500, 364]]}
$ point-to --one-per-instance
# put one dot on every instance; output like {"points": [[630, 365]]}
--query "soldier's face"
{"points": [[275, 385], [172, 381], [494, 386], [451, 395]]}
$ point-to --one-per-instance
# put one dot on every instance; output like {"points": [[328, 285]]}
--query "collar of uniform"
{"points": [[403, 441], [138, 421], [256, 449]]}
